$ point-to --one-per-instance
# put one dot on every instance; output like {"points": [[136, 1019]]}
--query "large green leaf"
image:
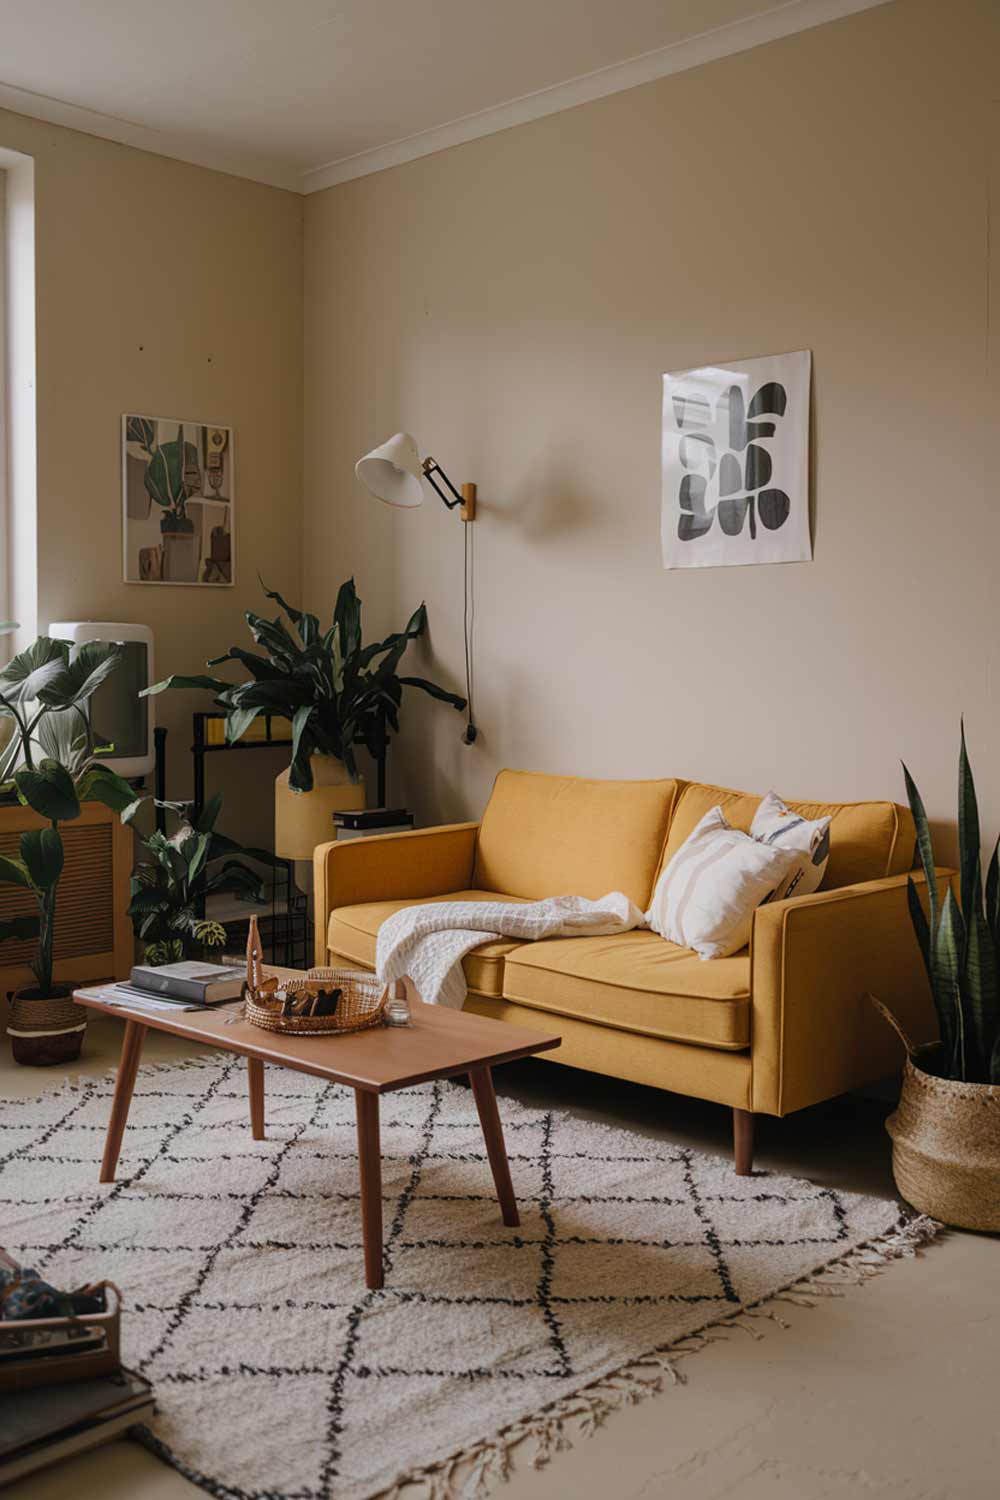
{"points": [[306, 625], [177, 680], [19, 928], [163, 476], [64, 735], [980, 996], [347, 615], [238, 721], [42, 852], [947, 945], [968, 836], [14, 872], [431, 688], [26, 675], [89, 665], [257, 666], [100, 784], [273, 636], [48, 791], [924, 846], [206, 819], [282, 697]]}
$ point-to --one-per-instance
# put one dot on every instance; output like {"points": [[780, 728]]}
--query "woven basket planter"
{"points": [[44, 1032], [946, 1146]]}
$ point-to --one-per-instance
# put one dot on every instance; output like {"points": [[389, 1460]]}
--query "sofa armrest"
{"points": [[390, 867], [814, 959]]}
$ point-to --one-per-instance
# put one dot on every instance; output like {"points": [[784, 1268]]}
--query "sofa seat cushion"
{"points": [[353, 931], [636, 981]]}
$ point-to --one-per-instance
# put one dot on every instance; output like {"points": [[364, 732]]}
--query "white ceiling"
{"points": [[305, 93]]}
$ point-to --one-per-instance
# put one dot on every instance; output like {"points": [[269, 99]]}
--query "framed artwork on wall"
{"points": [[177, 501], [736, 463]]}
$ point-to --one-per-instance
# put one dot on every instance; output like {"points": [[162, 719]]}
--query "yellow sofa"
{"points": [[783, 1024]]}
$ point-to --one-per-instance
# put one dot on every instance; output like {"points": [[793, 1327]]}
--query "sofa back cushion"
{"points": [[868, 840], [564, 836]]}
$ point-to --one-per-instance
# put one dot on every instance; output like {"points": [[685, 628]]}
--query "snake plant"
{"points": [[960, 939], [337, 692]]}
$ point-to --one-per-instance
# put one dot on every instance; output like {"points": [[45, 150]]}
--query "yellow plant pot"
{"points": [[304, 819]]}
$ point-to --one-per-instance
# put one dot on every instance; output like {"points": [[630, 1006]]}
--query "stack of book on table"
{"points": [[46, 1423], [181, 986], [62, 1385], [369, 820]]}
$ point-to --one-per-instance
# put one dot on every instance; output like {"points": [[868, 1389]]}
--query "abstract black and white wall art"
{"points": [[736, 463]]}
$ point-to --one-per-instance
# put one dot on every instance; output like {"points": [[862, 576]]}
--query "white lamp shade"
{"points": [[393, 472]]}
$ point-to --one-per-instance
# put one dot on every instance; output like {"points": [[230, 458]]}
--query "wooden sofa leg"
{"points": [[743, 1142]]}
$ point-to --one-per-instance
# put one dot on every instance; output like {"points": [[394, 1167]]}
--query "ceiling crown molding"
{"points": [[738, 36], [144, 138], [770, 25]]}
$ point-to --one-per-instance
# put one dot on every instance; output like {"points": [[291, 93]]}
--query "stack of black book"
{"points": [[353, 825], [63, 1387], [50, 1422]]}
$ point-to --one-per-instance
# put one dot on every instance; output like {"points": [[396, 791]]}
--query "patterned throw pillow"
{"points": [[707, 895], [777, 826]]}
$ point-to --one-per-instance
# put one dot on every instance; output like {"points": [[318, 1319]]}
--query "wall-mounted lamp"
{"points": [[393, 472]]}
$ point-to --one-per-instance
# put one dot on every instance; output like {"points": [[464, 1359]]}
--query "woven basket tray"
{"points": [[362, 1004]]}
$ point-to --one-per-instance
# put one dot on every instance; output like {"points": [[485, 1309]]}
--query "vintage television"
{"points": [[119, 716]]}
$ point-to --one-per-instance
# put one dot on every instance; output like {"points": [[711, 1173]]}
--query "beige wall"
{"points": [[167, 289], [514, 301]]}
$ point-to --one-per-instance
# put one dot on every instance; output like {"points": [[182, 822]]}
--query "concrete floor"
{"points": [[888, 1393]]}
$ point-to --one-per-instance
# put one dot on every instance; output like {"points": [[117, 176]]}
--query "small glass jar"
{"points": [[397, 1009]]}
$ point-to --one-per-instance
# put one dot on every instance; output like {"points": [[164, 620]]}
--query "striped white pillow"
{"points": [[775, 824], [707, 895]]}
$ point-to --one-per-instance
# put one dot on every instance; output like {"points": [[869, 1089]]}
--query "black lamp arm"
{"points": [[432, 467]]}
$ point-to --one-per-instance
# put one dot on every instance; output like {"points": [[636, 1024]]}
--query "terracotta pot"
{"points": [[45, 1030], [946, 1145], [304, 819]]}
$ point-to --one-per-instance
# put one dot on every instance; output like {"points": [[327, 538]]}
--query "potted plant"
{"points": [[337, 693], [171, 475], [171, 883], [946, 1130], [50, 765]]}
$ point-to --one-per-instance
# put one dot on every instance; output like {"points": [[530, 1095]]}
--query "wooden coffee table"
{"points": [[439, 1043]]}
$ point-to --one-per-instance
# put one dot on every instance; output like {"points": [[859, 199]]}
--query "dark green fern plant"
{"points": [[960, 940]]}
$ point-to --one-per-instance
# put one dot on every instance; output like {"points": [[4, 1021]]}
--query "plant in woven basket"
{"points": [[960, 940], [176, 873], [337, 692], [946, 1129], [51, 765]]}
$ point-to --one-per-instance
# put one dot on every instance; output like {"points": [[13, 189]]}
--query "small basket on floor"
{"points": [[325, 1002]]}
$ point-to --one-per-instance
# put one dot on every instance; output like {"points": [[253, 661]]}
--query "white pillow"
{"points": [[777, 826], [706, 897]]}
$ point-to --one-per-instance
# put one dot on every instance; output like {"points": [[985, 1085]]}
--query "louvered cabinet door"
{"points": [[93, 931]]}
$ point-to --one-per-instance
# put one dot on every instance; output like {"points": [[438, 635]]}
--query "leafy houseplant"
{"points": [[50, 764], [170, 884], [946, 1131], [337, 692]]}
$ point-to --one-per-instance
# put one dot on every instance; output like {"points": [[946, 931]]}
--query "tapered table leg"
{"points": [[255, 1084], [370, 1164], [489, 1118], [128, 1066]]}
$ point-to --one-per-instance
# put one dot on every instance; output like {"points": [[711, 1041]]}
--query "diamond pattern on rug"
{"points": [[278, 1375]]}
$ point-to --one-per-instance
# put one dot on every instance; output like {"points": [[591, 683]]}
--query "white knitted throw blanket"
{"points": [[427, 943]]}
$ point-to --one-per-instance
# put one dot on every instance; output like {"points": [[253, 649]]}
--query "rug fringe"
{"points": [[559, 1426]]}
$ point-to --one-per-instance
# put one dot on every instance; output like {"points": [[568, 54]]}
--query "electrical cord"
{"points": [[468, 624]]}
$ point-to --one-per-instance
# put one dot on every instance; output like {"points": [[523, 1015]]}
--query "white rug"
{"points": [[279, 1377]]}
